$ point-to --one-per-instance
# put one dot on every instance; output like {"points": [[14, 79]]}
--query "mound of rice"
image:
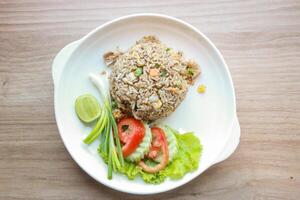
{"points": [[150, 80]]}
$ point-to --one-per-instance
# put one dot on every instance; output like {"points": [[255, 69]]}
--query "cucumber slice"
{"points": [[172, 144], [143, 147]]}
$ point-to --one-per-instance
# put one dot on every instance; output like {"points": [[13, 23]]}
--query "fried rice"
{"points": [[150, 80]]}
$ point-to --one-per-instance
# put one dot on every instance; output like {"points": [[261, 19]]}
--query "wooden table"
{"points": [[260, 41]]}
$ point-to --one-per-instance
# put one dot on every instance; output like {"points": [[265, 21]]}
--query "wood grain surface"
{"points": [[260, 41]]}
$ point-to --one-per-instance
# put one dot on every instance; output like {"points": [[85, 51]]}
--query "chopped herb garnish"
{"points": [[190, 71], [113, 105], [156, 65], [163, 73], [138, 72], [168, 49]]}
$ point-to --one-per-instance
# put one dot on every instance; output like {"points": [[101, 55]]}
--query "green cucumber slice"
{"points": [[172, 144]]}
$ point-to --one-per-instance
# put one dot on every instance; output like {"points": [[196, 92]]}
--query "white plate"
{"points": [[211, 116]]}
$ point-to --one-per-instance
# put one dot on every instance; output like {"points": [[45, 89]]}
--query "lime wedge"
{"points": [[87, 108]]}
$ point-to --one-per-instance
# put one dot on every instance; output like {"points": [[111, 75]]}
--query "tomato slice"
{"points": [[156, 142], [153, 152], [131, 133], [159, 143]]}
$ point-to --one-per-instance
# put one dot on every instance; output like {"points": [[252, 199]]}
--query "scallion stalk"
{"points": [[110, 146], [96, 132]]}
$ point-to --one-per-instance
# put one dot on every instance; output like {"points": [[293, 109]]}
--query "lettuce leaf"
{"points": [[186, 160], [131, 170]]}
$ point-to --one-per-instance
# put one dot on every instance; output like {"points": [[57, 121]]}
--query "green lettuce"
{"points": [[187, 158], [185, 161]]}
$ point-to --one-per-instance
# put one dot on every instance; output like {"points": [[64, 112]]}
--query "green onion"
{"points": [[98, 128], [106, 127], [168, 49], [138, 72]]}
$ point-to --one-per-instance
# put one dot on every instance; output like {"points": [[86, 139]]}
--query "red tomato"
{"points": [[159, 143], [131, 133], [153, 152], [156, 142]]}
